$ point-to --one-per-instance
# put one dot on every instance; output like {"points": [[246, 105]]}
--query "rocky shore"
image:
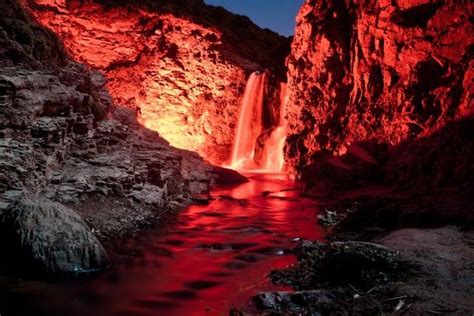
{"points": [[381, 120], [391, 255], [72, 171]]}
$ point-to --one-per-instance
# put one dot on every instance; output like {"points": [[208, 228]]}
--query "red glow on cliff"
{"points": [[169, 69]]}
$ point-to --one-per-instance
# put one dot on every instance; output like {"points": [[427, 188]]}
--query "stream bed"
{"points": [[211, 258]]}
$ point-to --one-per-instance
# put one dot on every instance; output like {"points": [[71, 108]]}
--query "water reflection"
{"points": [[213, 258]]}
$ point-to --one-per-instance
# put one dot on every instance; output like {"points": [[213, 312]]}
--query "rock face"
{"points": [[52, 238], [381, 71], [183, 72], [54, 143], [58, 143]]}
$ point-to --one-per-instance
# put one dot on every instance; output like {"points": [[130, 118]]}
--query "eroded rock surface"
{"points": [[382, 71], [183, 72], [59, 142], [50, 238]]}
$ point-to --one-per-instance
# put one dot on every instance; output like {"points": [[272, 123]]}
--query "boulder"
{"points": [[362, 264], [328, 174], [51, 238]]}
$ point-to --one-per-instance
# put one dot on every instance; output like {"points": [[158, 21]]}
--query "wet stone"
{"points": [[212, 214], [235, 265], [269, 251], [157, 304], [243, 245], [216, 247], [220, 274], [174, 242]]}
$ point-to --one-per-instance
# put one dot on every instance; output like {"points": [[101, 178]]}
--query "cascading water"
{"points": [[273, 156], [250, 128], [250, 123]]}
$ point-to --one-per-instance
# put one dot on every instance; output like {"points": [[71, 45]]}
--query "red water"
{"points": [[250, 123], [213, 258]]}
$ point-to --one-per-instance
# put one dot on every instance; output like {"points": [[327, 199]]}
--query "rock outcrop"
{"points": [[376, 71], [59, 144], [181, 66], [361, 264], [51, 238], [53, 144], [413, 271]]}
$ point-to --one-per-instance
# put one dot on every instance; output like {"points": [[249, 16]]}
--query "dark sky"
{"points": [[277, 15]]}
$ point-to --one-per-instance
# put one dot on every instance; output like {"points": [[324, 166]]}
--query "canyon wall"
{"points": [[386, 71], [77, 161], [181, 66], [68, 172]]}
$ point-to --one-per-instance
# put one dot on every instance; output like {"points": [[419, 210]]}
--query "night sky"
{"points": [[277, 15]]}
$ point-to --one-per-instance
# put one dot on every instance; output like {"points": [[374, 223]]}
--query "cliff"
{"points": [[181, 65], [85, 87], [61, 154], [383, 72], [95, 94]]}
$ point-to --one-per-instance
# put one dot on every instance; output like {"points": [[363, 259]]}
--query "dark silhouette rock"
{"points": [[362, 264], [51, 238], [226, 176]]}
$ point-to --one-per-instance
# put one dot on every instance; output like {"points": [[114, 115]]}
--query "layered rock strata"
{"points": [[60, 152]]}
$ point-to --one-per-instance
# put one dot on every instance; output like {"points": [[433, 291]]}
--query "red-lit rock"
{"points": [[184, 79], [384, 71], [57, 143]]}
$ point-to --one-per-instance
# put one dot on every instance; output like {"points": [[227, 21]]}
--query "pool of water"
{"points": [[212, 258]]}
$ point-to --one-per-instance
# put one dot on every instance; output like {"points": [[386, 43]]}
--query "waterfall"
{"points": [[250, 123], [249, 128], [273, 155]]}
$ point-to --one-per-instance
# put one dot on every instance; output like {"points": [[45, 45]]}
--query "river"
{"points": [[211, 258]]}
